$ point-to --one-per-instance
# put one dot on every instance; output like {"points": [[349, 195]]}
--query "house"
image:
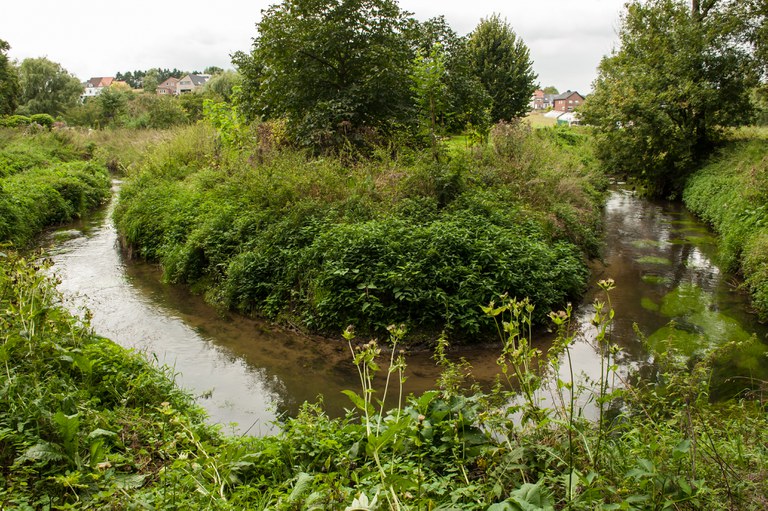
{"points": [[168, 87], [541, 100], [567, 101], [95, 85], [537, 100], [191, 83]]}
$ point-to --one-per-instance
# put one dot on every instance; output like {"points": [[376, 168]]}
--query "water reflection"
{"points": [[248, 372], [664, 262]]}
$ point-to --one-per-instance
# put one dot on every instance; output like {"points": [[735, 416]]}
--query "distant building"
{"points": [[190, 83], [567, 101], [168, 87], [537, 100], [540, 100], [94, 86]]}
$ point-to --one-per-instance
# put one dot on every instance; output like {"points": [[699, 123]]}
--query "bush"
{"points": [[42, 119], [731, 193], [14, 121], [43, 183], [324, 244]]}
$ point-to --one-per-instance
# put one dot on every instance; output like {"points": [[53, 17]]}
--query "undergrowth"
{"points": [[86, 425], [731, 193], [400, 236], [45, 180]]}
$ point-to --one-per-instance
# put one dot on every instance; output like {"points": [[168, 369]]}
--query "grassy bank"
{"points": [[731, 193], [86, 425], [324, 243], [45, 179]]}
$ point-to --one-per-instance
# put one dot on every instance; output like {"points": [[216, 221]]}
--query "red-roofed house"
{"points": [[94, 86]]}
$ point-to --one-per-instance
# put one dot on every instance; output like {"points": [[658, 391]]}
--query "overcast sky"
{"points": [[567, 38]]}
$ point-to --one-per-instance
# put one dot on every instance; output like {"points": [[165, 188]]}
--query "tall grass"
{"points": [[45, 180], [86, 425], [731, 193], [325, 243]]}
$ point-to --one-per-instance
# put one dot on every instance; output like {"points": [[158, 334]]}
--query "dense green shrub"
{"points": [[42, 182], [42, 119], [14, 121], [85, 424], [325, 243], [731, 193]]}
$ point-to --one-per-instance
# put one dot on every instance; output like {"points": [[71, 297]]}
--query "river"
{"points": [[247, 373]]}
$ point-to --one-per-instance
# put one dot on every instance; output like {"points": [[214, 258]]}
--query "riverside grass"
{"points": [[731, 193], [45, 179], [85, 424], [399, 237]]}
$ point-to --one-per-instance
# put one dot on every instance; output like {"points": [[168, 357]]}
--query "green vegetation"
{"points": [[731, 193], [409, 239], [46, 88], [502, 62], [340, 79], [44, 180], [683, 73], [86, 425], [9, 82]]}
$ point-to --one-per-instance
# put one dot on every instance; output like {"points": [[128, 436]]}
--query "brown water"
{"points": [[249, 372]]}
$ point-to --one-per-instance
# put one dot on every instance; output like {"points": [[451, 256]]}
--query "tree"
{"points": [[9, 82], [551, 89], [213, 70], [150, 81], [221, 85], [46, 87], [112, 103], [502, 63], [431, 93], [336, 70], [681, 74]]}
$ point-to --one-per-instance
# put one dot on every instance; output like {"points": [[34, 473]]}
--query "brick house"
{"points": [[168, 87], [568, 101]]}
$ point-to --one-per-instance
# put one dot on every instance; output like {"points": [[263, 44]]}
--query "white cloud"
{"points": [[566, 38]]}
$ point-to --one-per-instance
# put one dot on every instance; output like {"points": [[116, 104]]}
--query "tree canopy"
{"points": [[681, 74], [331, 69], [9, 82], [502, 62], [356, 71], [46, 87]]}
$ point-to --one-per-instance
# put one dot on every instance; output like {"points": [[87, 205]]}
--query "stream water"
{"points": [[248, 372]]}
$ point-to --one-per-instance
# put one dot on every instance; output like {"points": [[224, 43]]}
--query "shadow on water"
{"points": [[249, 372]]}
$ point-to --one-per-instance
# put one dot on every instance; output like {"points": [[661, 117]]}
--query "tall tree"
{"points": [[502, 62], [681, 74], [46, 87], [334, 69], [467, 103], [9, 82]]}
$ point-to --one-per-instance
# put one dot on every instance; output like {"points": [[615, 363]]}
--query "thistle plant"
{"points": [[513, 319]]}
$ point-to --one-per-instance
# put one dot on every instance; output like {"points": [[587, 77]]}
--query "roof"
{"points": [[567, 94], [100, 81], [198, 80], [169, 82]]}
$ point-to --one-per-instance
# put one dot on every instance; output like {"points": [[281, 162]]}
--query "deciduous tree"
{"points": [[502, 62], [46, 87], [334, 70], [680, 75], [9, 82]]}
